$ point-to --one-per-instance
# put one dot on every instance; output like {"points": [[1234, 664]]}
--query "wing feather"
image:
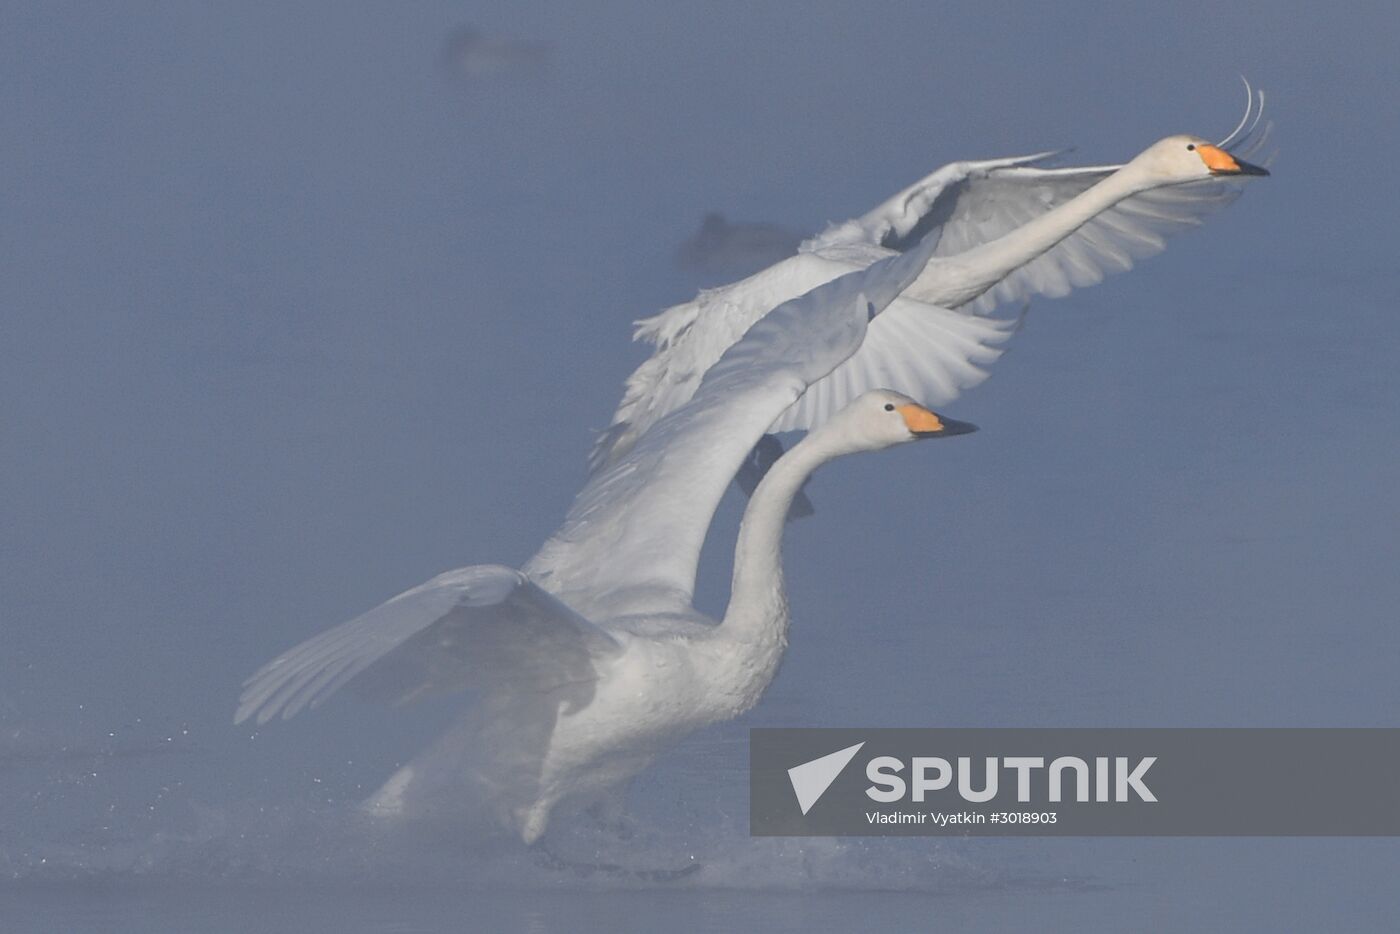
{"points": [[961, 206], [984, 208], [632, 539], [924, 351], [445, 616]]}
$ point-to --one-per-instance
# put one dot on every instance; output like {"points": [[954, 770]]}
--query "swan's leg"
{"points": [[439, 780], [533, 820], [762, 457], [389, 800]]}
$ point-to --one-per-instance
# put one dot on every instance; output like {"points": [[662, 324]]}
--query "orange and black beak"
{"points": [[925, 424], [1221, 162]]}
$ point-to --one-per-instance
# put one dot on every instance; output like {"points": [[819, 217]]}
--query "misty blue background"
{"points": [[295, 316]]}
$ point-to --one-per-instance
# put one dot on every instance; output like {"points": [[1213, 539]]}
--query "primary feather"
{"points": [[589, 659], [939, 338]]}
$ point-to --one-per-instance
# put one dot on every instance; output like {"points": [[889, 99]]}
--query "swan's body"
{"points": [[1006, 229], [592, 657]]}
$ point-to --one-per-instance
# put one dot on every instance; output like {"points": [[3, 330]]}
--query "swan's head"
{"points": [[1187, 158], [884, 418]]}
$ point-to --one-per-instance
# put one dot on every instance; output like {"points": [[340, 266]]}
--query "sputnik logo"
{"points": [[810, 780]]}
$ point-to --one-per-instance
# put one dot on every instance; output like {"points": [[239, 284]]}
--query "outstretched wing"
{"points": [[983, 206], [690, 337], [451, 632], [981, 209], [945, 351], [921, 350], [905, 217], [632, 539], [961, 205]]}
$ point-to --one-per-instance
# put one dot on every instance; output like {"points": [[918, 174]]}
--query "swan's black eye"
{"points": [[1191, 147], [889, 406]]}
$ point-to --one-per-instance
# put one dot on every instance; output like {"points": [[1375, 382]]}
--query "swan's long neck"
{"points": [[756, 620], [970, 273]]}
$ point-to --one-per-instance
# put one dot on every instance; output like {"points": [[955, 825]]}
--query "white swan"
{"points": [[1006, 230], [592, 657]]}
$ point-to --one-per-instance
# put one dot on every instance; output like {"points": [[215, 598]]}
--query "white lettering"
{"points": [[1081, 777], [1023, 766], [1133, 779], [922, 783], [989, 790], [881, 770]]}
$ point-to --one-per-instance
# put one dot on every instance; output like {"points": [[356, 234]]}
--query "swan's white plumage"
{"points": [[453, 604], [690, 338], [967, 206], [954, 348], [592, 657], [632, 539], [986, 208]]}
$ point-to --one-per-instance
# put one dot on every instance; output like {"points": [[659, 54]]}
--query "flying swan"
{"points": [[590, 659], [1006, 229]]}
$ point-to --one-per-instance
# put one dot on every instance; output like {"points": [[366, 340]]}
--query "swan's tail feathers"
{"points": [[763, 456]]}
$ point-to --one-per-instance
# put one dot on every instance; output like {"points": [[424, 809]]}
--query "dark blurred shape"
{"points": [[727, 251], [470, 55], [763, 456]]}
